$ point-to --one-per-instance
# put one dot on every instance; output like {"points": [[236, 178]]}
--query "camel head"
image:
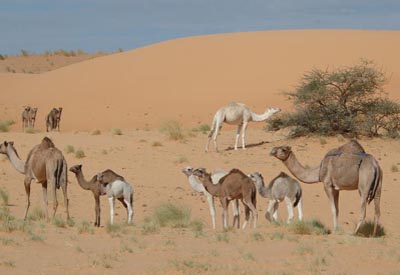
{"points": [[76, 168], [188, 171], [256, 176], [281, 152], [5, 146], [273, 110], [201, 173]]}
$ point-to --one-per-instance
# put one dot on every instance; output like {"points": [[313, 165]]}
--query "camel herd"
{"points": [[347, 167], [52, 119]]}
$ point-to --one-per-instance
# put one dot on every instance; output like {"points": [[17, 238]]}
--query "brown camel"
{"points": [[92, 185], [53, 119], [234, 185], [28, 117], [45, 164], [347, 167]]}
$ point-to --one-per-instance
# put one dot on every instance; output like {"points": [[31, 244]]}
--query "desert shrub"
{"points": [[156, 144], [116, 132], [172, 129], [85, 227], [24, 53], [3, 197], [37, 214], [80, 154], [168, 215], [5, 125], [69, 149], [349, 101], [309, 227], [96, 132], [202, 128], [30, 130], [59, 222], [367, 228], [2, 57]]}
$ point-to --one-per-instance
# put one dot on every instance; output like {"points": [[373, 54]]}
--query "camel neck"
{"points": [[262, 190], [261, 117], [18, 164], [306, 175], [82, 182], [196, 185], [213, 189]]}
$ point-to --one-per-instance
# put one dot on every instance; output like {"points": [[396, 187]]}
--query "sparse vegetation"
{"points": [[257, 236], [37, 214], [394, 168], [172, 129], [95, 132], [30, 130], [59, 222], [69, 149], [367, 228], [116, 132], [308, 228], [181, 159], [80, 154], [348, 101], [156, 144], [85, 227], [3, 197], [5, 125], [202, 128], [222, 237]]}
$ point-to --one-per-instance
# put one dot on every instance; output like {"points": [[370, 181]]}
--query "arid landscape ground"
{"points": [[114, 107]]}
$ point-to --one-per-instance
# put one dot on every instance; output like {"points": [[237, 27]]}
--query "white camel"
{"points": [[117, 188], [282, 187], [236, 114], [199, 187]]}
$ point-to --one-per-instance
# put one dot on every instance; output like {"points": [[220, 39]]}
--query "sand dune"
{"points": [[188, 79]]}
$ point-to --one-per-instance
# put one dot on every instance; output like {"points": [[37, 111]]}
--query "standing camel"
{"points": [[45, 164], [53, 119], [92, 185], [347, 167], [281, 188], [234, 185], [28, 117], [236, 114], [199, 187], [117, 188]]}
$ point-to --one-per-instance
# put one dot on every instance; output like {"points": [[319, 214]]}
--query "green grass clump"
{"points": [[309, 227], [85, 227], [116, 132], [59, 222], [203, 128], [69, 149], [172, 129], [3, 197], [394, 168], [37, 214], [80, 154], [367, 228], [168, 215], [5, 125]]}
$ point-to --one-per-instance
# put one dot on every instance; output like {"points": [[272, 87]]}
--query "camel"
{"points": [[199, 187], [282, 187], [234, 185], [236, 114], [53, 119], [28, 117], [92, 185], [46, 164], [117, 188], [347, 167]]}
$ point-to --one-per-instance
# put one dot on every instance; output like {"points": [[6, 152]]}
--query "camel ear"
{"points": [[11, 143], [80, 166], [5, 143]]}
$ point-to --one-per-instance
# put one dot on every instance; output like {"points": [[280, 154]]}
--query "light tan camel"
{"points": [[234, 185], [45, 164], [53, 119], [347, 167], [93, 185], [28, 117], [236, 114], [281, 188]]}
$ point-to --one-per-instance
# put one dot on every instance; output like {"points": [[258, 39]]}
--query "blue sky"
{"points": [[92, 25]]}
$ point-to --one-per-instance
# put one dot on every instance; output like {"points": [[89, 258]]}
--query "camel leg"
{"points": [[272, 208], [111, 202], [130, 210], [123, 202], [66, 200], [97, 210], [216, 131], [300, 210], [289, 205], [244, 127], [27, 183], [210, 134], [236, 213], [253, 210], [45, 201], [210, 200], [246, 215], [377, 200], [224, 203], [237, 136], [362, 213], [333, 196]]}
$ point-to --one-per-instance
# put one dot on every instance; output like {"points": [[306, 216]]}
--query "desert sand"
{"points": [[187, 80]]}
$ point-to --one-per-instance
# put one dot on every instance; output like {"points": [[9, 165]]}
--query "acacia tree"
{"points": [[349, 101]]}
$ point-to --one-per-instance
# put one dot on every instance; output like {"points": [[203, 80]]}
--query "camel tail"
{"points": [[298, 197], [376, 181], [61, 173]]}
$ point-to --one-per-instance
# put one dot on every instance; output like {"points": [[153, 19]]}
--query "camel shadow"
{"points": [[230, 148]]}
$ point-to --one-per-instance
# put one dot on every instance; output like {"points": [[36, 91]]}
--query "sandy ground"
{"points": [[187, 80]]}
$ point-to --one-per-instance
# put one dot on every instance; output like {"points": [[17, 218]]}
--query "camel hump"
{"points": [[47, 143]]}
